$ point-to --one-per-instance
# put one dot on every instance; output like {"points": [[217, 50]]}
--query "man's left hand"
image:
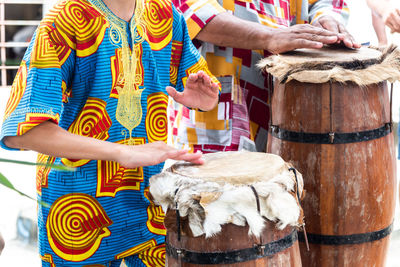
{"points": [[200, 92], [329, 23]]}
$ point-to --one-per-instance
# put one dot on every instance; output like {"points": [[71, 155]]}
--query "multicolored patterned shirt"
{"points": [[74, 74], [243, 114]]}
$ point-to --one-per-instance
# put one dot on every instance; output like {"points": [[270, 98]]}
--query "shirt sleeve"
{"points": [[338, 9], [198, 13], [37, 91], [185, 58]]}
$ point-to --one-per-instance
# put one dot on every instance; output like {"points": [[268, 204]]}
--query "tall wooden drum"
{"points": [[238, 209], [331, 118]]}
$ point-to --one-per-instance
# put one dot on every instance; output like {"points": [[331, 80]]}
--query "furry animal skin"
{"points": [[207, 205]]}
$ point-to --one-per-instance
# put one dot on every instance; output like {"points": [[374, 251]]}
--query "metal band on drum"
{"points": [[337, 240], [330, 138], [233, 256]]}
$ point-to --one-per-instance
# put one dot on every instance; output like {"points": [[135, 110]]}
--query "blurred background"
{"points": [[18, 20]]}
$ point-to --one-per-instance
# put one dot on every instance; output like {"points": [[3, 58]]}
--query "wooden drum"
{"points": [[238, 209], [331, 118]]}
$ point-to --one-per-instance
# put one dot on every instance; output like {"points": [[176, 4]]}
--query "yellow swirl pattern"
{"points": [[81, 26], [76, 225], [155, 217], [42, 172], [44, 54], [92, 121], [48, 258], [200, 65], [156, 118], [154, 257], [61, 47], [176, 53], [112, 177], [66, 92], [17, 90], [136, 249], [48, 19], [34, 119], [159, 23]]}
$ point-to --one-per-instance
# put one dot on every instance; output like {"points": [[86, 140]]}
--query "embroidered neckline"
{"points": [[129, 108]]}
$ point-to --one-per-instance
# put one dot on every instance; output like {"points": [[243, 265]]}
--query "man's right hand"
{"points": [[299, 36], [152, 154]]}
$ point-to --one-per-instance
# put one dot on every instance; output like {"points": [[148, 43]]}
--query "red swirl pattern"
{"points": [[158, 23], [201, 65], [42, 172], [154, 256], [156, 117], [17, 90], [155, 216], [176, 54], [81, 26], [76, 225], [92, 121]]}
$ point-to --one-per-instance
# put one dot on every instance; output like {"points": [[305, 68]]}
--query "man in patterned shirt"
{"points": [[233, 36], [91, 93]]}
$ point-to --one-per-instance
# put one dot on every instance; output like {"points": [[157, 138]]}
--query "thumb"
{"points": [[178, 97]]}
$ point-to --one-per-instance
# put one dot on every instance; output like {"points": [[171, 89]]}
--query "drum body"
{"points": [[237, 209], [233, 247], [339, 137]]}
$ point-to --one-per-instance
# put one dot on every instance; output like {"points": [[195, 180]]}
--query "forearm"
{"points": [[379, 28], [380, 7], [50, 139], [229, 31]]}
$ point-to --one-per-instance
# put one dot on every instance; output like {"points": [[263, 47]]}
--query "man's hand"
{"points": [[391, 18], [331, 24], [200, 92], [299, 36], [152, 154]]}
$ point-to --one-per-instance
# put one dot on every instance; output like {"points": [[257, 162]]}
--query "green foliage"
{"points": [[5, 182]]}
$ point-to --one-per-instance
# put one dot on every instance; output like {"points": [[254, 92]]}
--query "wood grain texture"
{"points": [[233, 237], [350, 188]]}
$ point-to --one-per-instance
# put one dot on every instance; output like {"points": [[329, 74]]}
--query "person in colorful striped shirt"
{"points": [[233, 36], [92, 93]]}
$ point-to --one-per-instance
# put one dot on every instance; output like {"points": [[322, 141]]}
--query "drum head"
{"points": [[361, 66], [332, 55], [234, 167]]}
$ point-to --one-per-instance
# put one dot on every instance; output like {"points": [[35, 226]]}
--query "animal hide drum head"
{"points": [[234, 167], [363, 66]]}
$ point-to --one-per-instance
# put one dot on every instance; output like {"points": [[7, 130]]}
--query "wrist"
{"points": [[261, 37], [118, 152], [268, 38]]}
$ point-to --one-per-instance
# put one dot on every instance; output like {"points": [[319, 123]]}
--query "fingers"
{"points": [[177, 96], [331, 24], [300, 36], [393, 20], [186, 156], [313, 37], [316, 28], [206, 79], [303, 43], [347, 39], [193, 77]]}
